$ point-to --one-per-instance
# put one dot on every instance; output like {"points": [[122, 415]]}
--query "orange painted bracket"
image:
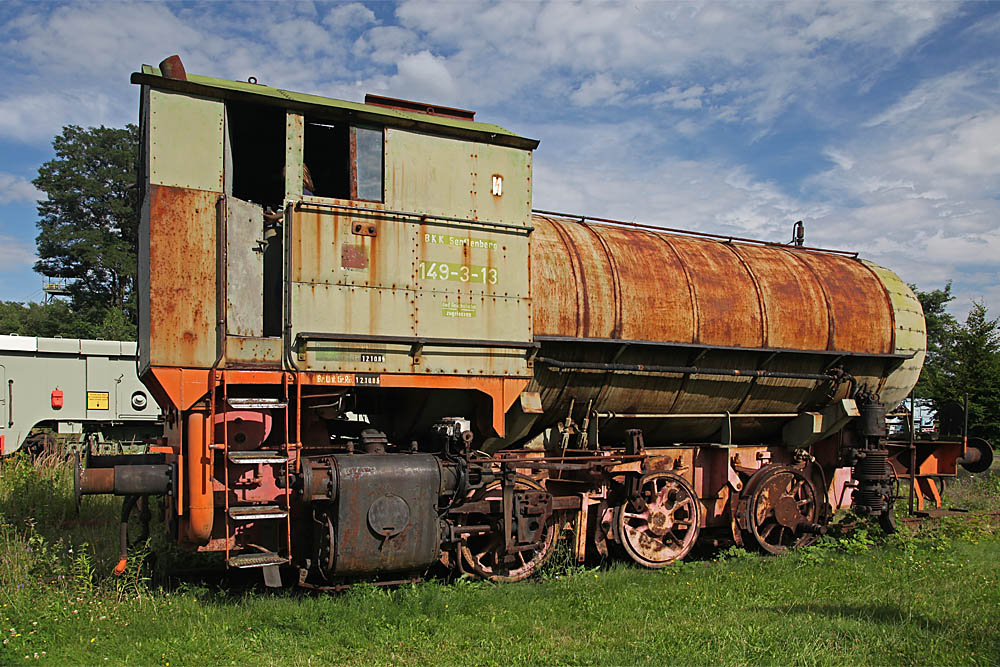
{"points": [[927, 488], [943, 460], [183, 387]]}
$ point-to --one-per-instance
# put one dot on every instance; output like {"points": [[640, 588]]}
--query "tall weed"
{"points": [[43, 541]]}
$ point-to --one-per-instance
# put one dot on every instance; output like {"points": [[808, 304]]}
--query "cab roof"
{"points": [[333, 109]]}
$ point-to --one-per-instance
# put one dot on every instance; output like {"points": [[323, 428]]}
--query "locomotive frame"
{"points": [[407, 366]]}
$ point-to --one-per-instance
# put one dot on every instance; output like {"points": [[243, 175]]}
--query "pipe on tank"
{"points": [[201, 505], [833, 376]]}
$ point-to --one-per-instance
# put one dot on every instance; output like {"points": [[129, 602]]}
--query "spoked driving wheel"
{"points": [[779, 509], [663, 526], [486, 554]]}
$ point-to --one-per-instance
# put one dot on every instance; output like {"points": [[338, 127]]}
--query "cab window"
{"points": [[345, 162], [257, 140], [368, 163]]}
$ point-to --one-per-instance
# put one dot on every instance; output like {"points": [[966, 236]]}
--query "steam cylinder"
{"points": [[607, 294]]}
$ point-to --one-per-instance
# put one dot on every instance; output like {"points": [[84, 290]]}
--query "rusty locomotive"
{"points": [[373, 356]]}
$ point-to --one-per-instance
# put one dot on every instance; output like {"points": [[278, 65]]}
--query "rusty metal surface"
{"points": [[860, 314], [253, 352], [554, 277], [431, 280], [96, 481], [419, 107], [665, 282], [601, 281], [386, 518], [244, 256], [182, 277], [611, 283], [434, 175], [784, 288], [728, 305]]}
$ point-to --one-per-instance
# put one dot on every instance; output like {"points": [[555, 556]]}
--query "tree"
{"points": [[962, 359], [50, 320], [58, 319], [976, 370], [941, 328], [88, 225]]}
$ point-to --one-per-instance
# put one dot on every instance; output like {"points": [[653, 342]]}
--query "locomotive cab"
{"points": [[406, 252]]}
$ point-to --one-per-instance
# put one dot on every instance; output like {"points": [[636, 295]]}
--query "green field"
{"points": [[928, 596]]}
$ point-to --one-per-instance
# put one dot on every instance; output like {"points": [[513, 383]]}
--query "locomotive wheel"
{"points": [[667, 528], [778, 503], [484, 554]]}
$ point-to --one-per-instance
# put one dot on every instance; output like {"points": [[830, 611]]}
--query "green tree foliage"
{"points": [[962, 359], [941, 328], [976, 370], [58, 319], [88, 224]]}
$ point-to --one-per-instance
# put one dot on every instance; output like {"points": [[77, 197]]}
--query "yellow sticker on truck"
{"points": [[98, 400], [463, 273]]}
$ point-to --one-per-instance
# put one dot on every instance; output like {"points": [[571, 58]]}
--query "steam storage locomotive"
{"points": [[373, 356]]}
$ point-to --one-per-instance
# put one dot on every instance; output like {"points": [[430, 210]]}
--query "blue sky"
{"points": [[877, 123]]}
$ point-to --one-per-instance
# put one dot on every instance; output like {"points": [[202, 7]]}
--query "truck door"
{"points": [[101, 389]]}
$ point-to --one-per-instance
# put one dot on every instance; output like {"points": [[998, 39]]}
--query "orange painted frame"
{"points": [[181, 388]]}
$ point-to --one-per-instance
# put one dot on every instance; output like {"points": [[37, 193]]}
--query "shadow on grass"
{"points": [[886, 614]]}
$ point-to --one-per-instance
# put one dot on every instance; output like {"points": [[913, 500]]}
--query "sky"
{"points": [[876, 123]]}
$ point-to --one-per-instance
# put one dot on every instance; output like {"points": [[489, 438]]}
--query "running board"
{"points": [[257, 457], [260, 559], [255, 512], [256, 403]]}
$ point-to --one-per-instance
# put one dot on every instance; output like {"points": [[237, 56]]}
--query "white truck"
{"points": [[64, 392]]}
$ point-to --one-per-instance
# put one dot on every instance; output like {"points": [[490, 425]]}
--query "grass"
{"points": [[929, 596]]}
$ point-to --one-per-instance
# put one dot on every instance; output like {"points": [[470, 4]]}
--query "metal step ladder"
{"points": [[238, 514]]}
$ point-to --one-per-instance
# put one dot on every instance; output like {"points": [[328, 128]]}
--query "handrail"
{"points": [[421, 218], [687, 232], [417, 342]]}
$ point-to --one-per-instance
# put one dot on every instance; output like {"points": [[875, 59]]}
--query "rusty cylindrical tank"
{"points": [[608, 296]]}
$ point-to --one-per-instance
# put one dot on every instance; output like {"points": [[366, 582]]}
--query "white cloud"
{"points": [[72, 62], [426, 77], [17, 190], [385, 44], [344, 18], [842, 160], [734, 62], [918, 184], [15, 255], [36, 117], [599, 89], [761, 56], [605, 173], [678, 98]]}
